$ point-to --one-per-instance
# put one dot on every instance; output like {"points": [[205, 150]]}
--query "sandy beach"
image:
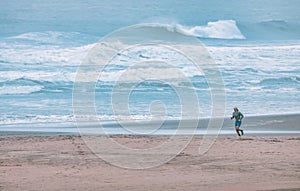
{"points": [[66, 163], [135, 95]]}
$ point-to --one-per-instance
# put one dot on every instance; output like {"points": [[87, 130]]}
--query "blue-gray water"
{"points": [[256, 45]]}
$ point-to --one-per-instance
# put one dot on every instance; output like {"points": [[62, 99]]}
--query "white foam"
{"points": [[222, 29], [261, 58], [42, 55], [41, 76], [7, 90], [28, 119]]}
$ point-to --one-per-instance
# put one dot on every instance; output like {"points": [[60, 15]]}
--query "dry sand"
{"points": [[66, 163]]}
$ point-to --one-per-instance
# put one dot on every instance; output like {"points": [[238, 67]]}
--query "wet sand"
{"points": [[66, 163]]}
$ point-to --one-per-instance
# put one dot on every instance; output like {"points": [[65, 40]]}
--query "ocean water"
{"points": [[255, 44]]}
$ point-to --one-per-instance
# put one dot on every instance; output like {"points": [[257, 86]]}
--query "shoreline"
{"points": [[253, 125]]}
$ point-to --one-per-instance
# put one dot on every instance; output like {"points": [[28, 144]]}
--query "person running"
{"points": [[238, 120]]}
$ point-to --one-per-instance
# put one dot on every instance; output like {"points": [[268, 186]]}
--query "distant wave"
{"points": [[231, 29], [55, 38], [222, 29]]}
